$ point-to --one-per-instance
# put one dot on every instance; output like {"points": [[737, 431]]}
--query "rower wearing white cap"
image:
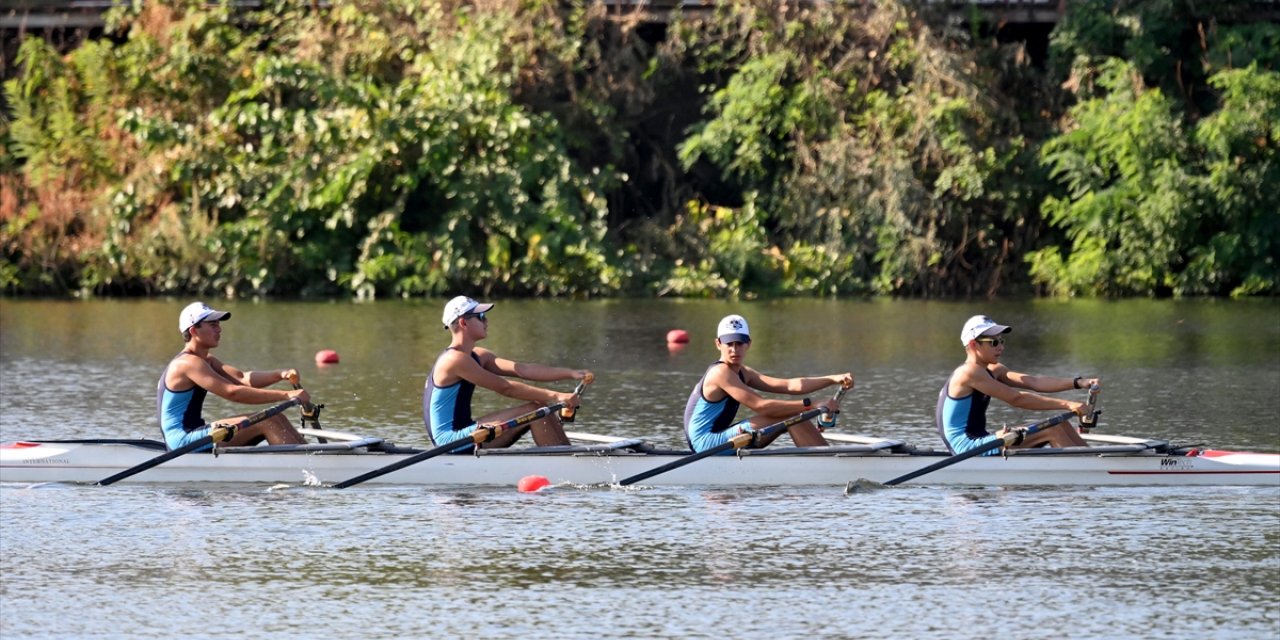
{"points": [[710, 417], [446, 400], [194, 373], [962, 404]]}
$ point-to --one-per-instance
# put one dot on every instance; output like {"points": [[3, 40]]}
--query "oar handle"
{"points": [[828, 420], [310, 411], [217, 433], [567, 414], [1090, 419]]}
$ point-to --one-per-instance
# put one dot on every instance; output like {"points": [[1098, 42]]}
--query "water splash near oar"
{"points": [[862, 485]]}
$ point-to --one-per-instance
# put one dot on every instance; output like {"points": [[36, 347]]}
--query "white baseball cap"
{"points": [[981, 326], [198, 312], [461, 306], [733, 328]]}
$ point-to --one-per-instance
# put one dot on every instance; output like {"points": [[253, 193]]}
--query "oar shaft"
{"points": [[216, 434], [482, 434], [676, 464], [977, 451], [400, 464], [736, 442], [946, 462]]}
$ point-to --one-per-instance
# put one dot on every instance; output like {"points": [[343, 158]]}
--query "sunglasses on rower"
{"points": [[995, 342], [478, 316]]}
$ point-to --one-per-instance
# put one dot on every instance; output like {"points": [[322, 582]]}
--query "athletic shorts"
{"points": [[961, 443], [454, 435], [176, 438], [710, 439]]}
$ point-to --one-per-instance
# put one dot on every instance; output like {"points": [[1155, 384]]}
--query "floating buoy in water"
{"points": [[677, 336], [326, 356], [533, 484]]}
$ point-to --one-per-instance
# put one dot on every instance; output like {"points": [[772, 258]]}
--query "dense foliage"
{"points": [[525, 147]]}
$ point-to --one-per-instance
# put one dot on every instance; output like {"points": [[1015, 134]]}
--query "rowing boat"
{"points": [[603, 460]]}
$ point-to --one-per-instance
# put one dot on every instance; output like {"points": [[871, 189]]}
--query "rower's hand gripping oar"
{"points": [[1012, 437], [567, 414], [483, 433], [310, 412], [217, 433], [736, 442]]}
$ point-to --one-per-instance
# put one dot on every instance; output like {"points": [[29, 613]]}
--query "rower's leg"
{"points": [[761, 421], [806, 434], [275, 430], [547, 431], [1059, 435]]}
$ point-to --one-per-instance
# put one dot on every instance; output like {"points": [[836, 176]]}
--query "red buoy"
{"points": [[677, 336], [326, 356], [533, 484]]}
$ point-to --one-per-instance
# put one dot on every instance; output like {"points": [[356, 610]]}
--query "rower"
{"points": [[709, 417], [961, 412], [463, 366], [195, 372]]}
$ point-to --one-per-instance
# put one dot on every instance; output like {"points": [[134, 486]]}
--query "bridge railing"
{"points": [[45, 14]]}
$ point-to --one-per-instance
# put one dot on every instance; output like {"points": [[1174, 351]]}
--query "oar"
{"points": [[483, 433], [736, 442], [310, 412], [1014, 436], [217, 433], [1090, 419], [567, 414]]}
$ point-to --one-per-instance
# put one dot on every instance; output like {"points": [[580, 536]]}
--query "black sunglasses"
{"points": [[478, 316]]}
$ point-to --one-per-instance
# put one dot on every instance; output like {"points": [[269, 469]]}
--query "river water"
{"points": [[760, 562]]}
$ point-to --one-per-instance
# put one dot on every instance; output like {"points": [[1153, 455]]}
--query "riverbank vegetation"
{"points": [[533, 147]]}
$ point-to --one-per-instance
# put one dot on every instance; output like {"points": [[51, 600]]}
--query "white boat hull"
{"points": [[88, 463]]}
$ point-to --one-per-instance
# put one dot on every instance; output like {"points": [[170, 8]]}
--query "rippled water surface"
{"points": [[757, 562]]}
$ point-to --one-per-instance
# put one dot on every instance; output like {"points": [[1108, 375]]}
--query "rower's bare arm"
{"points": [[202, 374], [261, 379], [533, 371], [801, 386], [462, 366], [231, 373], [1043, 384], [546, 373], [1018, 398], [746, 396]]}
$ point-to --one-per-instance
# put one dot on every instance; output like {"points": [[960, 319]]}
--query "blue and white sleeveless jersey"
{"points": [[709, 424], [446, 411], [962, 422], [180, 413]]}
